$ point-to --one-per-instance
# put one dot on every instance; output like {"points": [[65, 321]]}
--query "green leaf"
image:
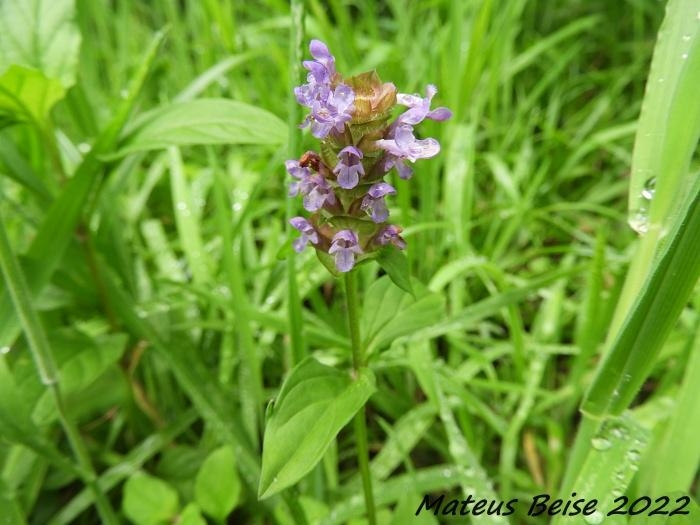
{"points": [[191, 515], [634, 350], [58, 227], [40, 34], [390, 313], [149, 500], [27, 95], [217, 486], [81, 370], [615, 452], [395, 264], [315, 402], [203, 121]]}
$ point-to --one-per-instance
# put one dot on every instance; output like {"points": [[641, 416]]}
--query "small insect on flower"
{"points": [[343, 184]]}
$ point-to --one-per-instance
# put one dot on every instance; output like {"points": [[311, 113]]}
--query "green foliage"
{"points": [[27, 95], [149, 500], [40, 34], [202, 121], [217, 487], [315, 402]]}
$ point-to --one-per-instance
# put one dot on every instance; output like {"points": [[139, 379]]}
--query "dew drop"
{"points": [[4, 350], [600, 443], [639, 221], [684, 56], [634, 455], [84, 148], [686, 38], [649, 189], [661, 80], [594, 519]]}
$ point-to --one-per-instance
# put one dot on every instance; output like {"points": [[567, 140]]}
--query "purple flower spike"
{"points": [[301, 173], [419, 108], [404, 145], [349, 168], [374, 203], [308, 234], [344, 247], [390, 235], [317, 192]]}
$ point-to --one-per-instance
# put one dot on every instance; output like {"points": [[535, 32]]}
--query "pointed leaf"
{"points": [[203, 121], [395, 264], [315, 402]]}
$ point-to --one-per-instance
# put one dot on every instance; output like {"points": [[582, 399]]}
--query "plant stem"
{"points": [[360, 426], [46, 368]]}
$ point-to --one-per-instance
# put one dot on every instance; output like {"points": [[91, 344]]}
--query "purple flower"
{"points": [[303, 174], [330, 108], [308, 234], [349, 168], [344, 247], [317, 192], [419, 108], [390, 235], [331, 112], [404, 145], [374, 203], [322, 68]]}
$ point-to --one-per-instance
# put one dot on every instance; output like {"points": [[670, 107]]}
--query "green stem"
{"points": [[296, 35], [360, 424], [41, 354]]}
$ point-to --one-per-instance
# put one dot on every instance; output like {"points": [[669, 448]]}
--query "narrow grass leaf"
{"points": [[675, 462], [314, 404], [615, 452], [633, 352]]}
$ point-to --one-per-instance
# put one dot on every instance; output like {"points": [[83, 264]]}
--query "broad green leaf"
{"points": [[388, 313], [40, 34], [203, 121], [191, 515], [217, 486], [149, 500], [314, 404], [27, 95], [395, 264]]}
